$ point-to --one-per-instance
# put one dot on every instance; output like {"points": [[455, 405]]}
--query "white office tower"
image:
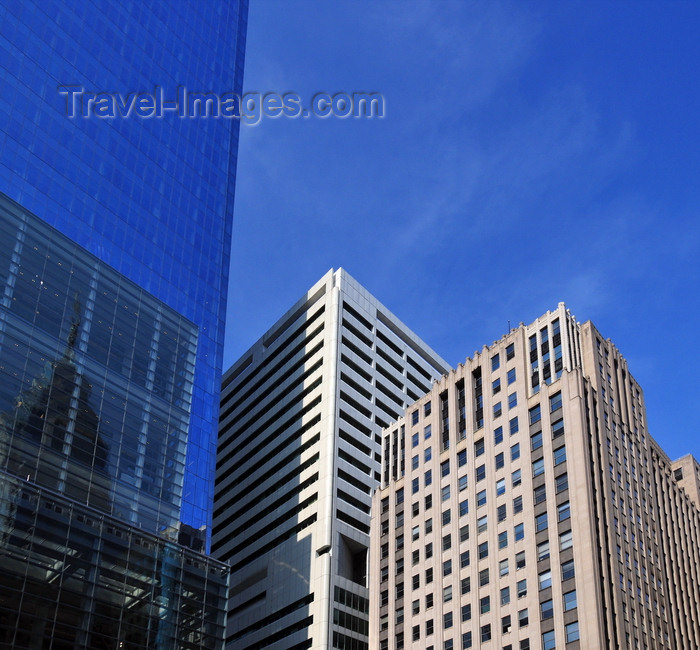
{"points": [[299, 455]]}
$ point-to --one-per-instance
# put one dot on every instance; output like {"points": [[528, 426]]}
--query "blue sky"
{"points": [[531, 153]]}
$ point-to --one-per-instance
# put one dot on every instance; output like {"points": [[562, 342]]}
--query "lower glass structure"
{"points": [[96, 381], [73, 577]]}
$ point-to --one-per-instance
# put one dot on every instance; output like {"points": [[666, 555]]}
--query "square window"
{"points": [[500, 487], [517, 477], [523, 620], [519, 532], [463, 507], [498, 435], [485, 604], [505, 595], [466, 613], [483, 577], [514, 426], [482, 524]]}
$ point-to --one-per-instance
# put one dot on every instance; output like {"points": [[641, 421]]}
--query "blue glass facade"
{"points": [[152, 197]]}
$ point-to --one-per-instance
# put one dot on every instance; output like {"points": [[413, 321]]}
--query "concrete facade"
{"points": [[535, 510], [298, 458]]}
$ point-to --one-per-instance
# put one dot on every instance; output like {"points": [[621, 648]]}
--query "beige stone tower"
{"points": [[535, 510]]}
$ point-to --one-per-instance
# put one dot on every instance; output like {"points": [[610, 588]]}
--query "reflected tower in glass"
{"points": [[150, 197]]}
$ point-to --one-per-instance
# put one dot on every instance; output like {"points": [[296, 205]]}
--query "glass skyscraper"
{"points": [[150, 196]]}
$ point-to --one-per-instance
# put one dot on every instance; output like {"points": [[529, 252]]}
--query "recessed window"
{"points": [[495, 362], [510, 352], [545, 579], [566, 540], [496, 386], [569, 600], [559, 455], [541, 522], [571, 632], [512, 400], [538, 467], [546, 609], [517, 505], [511, 376], [555, 402]]}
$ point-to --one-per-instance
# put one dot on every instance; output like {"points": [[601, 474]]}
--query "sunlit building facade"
{"points": [[298, 459], [535, 511]]}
